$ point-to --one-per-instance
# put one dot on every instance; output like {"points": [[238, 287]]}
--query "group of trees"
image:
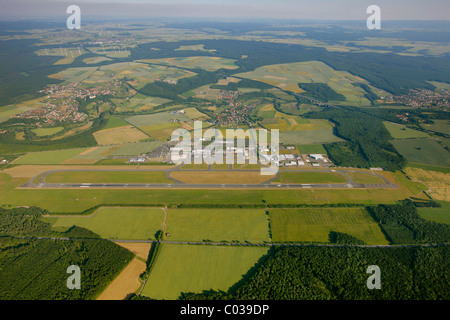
{"points": [[34, 268], [321, 91], [367, 140]]}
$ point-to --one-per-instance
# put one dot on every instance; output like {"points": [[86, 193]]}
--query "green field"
{"points": [[426, 151], [310, 177], [49, 157], [441, 215], [312, 149], [217, 225], [429, 168], [184, 268], [115, 122], [116, 223], [42, 132], [442, 126], [156, 119], [414, 187], [315, 225], [365, 178], [398, 131], [136, 149], [205, 63], [306, 137], [107, 177]]}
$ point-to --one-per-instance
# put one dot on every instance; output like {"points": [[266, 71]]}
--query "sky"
{"points": [[239, 9]]}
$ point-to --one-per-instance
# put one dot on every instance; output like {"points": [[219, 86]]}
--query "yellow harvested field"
{"points": [[211, 177], [80, 161], [138, 248], [438, 182], [126, 282], [120, 135]]}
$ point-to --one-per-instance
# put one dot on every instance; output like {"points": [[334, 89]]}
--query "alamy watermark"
{"points": [[374, 281], [237, 147], [74, 20], [74, 281], [374, 21]]}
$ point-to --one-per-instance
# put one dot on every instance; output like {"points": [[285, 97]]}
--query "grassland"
{"points": [[116, 223], [365, 178], [438, 182], [120, 135], [398, 131], [308, 137], [182, 268], [205, 63], [315, 225], [215, 177], [75, 200], [42, 132], [135, 149], [310, 177], [49, 157], [156, 119], [311, 149], [217, 225], [442, 126], [425, 151], [108, 177], [440, 215], [161, 132], [413, 187], [115, 122]]}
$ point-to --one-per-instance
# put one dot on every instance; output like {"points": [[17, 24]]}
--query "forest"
{"points": [[35, 269]]}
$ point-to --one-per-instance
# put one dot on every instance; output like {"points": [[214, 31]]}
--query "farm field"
{"points": [[156, 119], [185, 268], [135, 149], [414, 187], [139, 103], [115, 122], [205, 63], [314, 225], [296, 124], [49, 157], [125, 283], [217, 225], [119, 136], [310, 177], [214, 177], [108, 177], [438, 182], [442, 126], [287, 76], [425, 151], [116, 222], [140, 249], [161, 132], [398, 131], [308, 137], [440, 215]]}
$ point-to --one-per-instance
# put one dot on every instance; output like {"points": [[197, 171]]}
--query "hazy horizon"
{"points": [[230, 9]]}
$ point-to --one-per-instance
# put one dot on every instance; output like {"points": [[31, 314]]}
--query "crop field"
{"points": [[115, 122], [155, 119], [116, 223], [194, 114], [74, 74], [136, 149], [108, 177], [287, 77], [119, 136], [125, 283], [315, 225], [442, 126], [7, 112], [49, 157], [184, 268], [139, 103], [205, 63], [163, 131], [217, 225], [95, 60], [308, 137], [310, 177], [140, 249], [440, 215], [215, 177], [438, 182], [398, 131], [42, 132], [426, 151], [365, 178]]}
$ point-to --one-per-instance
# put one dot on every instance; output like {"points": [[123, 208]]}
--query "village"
{"points": [[439, 99]]}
